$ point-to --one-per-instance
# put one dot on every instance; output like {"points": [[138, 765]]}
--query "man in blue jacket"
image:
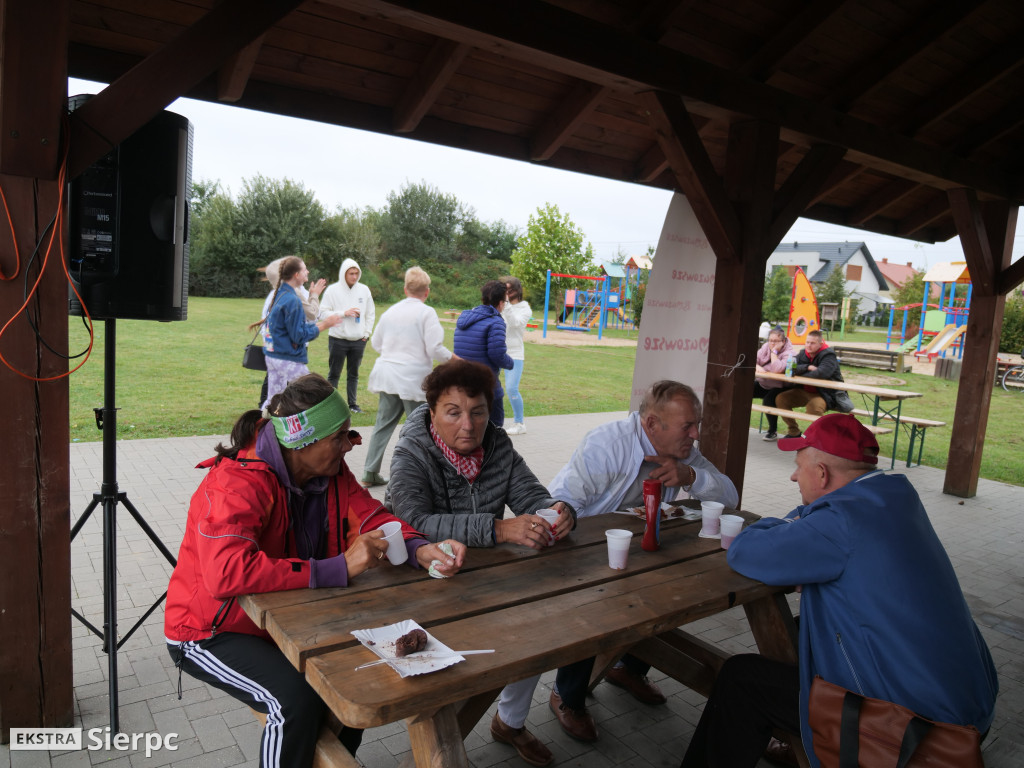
{"points": [[881, 611], [480, 337]]}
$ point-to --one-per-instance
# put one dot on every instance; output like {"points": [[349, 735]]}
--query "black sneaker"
{"points": [[770, 436], [355, 409]]}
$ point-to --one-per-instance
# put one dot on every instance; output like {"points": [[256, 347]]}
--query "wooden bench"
{"points": [[803, 416], [882, 359], [917, 427], [329, 751]]}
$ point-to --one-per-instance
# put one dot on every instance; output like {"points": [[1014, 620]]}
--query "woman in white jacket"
{"points": [[516, 314]]}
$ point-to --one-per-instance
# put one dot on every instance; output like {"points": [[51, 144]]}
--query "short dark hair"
{"points": [[493, 293], [816, 334], [472, 378]]}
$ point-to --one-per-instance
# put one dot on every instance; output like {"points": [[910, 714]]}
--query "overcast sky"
{"points": [[355, 169]]}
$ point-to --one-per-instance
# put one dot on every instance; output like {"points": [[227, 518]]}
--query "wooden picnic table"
{"points": [[881, 395], [539, 610]]}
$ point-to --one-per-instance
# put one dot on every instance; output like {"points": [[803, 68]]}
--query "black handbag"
{"points": [[253, 358]]}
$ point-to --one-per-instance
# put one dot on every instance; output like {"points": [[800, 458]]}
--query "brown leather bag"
{"points": [[851, 730]]}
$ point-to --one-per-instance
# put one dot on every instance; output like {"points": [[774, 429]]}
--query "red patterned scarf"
{"points": [[467, 466]]}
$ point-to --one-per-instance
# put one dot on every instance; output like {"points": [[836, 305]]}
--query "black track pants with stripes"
{"points": [[256, 673]]}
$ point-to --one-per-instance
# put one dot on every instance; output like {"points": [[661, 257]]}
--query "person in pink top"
{"points": [[772, 357]]}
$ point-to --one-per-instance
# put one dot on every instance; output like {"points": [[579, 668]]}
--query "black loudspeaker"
{"points": [[128, 219]]}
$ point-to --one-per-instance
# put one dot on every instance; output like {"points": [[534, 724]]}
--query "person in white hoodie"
{"points": [[346, 341]]}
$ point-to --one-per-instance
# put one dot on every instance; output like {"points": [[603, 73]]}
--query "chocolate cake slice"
{"points": [[411, 643]]}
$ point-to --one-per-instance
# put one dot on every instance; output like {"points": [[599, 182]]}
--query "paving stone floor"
{"points": [[984, 536]]}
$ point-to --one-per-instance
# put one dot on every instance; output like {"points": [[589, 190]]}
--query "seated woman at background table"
{"points": [[278, 509], [452, 474], [772, 357]]}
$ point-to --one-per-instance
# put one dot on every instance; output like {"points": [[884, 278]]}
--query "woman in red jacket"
{"points": [[279, 509]]}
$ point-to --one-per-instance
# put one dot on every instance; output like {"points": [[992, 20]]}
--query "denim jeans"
{"points": [[512, 390]]}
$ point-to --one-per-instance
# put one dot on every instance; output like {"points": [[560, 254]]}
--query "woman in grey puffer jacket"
{"points": [[426, 487], [454, 470]]}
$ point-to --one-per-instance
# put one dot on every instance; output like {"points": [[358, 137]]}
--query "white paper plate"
{"points": [[381, 641]]}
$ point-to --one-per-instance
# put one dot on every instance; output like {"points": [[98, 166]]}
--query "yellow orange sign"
{"points": [[803, 309]]}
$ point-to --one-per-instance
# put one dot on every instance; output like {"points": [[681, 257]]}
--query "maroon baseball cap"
{"points": [[838, 434]]}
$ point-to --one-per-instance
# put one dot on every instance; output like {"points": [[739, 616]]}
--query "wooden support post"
{"points": [[986, 232], [35, 548], [437, 740], [739, 288]]}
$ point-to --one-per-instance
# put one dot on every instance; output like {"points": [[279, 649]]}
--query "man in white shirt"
{"points": [[606, 473], [346, 341], [409, 339]]}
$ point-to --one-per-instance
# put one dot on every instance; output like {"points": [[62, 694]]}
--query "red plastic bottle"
{"points": [[652, 513]]}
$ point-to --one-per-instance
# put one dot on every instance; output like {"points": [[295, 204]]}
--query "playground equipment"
{"points": [[587, 308], [905, 345], [941, 341], [943, 324], [803, 309]]}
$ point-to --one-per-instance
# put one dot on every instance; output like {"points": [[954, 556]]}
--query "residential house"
{"points": [[864, 280]]}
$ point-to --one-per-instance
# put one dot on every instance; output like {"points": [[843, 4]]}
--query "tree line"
{"points": [[231, 239]]}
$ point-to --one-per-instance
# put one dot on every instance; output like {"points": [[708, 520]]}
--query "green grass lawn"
{"points": [[187, 378], [1004, 437], [177, 379]]}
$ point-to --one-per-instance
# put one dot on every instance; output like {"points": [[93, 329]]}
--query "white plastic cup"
{"points": [[618, 547], [731, 527], [711, 513], [551, 518], [397, 553]]}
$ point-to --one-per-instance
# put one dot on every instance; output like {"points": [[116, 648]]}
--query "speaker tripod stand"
{"points": [[109, 497]]}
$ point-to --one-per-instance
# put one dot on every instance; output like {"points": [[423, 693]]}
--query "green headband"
{"points": [[306, 427]]}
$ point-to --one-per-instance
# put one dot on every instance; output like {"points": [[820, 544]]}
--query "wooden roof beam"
{"points": [[33, 65], [534, 31], [651, 164], [769, 57], [124, 106], [802, 186], [564, 121], [431, 77], [653, 22], [1008, 119], [1010, 277], [975, 239], [842, 173], [961, 89], [877, 204], [659, 16], [877, 66], [693, 170], [232, 77], [923, 216]]}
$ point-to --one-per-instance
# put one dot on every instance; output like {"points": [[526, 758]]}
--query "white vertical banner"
{"points": [[676, 319]]}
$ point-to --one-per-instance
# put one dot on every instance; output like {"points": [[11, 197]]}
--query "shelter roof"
{"points": [[921, 98]]}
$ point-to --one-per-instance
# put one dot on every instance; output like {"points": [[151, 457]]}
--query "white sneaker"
{"points": [[517, 428]]}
